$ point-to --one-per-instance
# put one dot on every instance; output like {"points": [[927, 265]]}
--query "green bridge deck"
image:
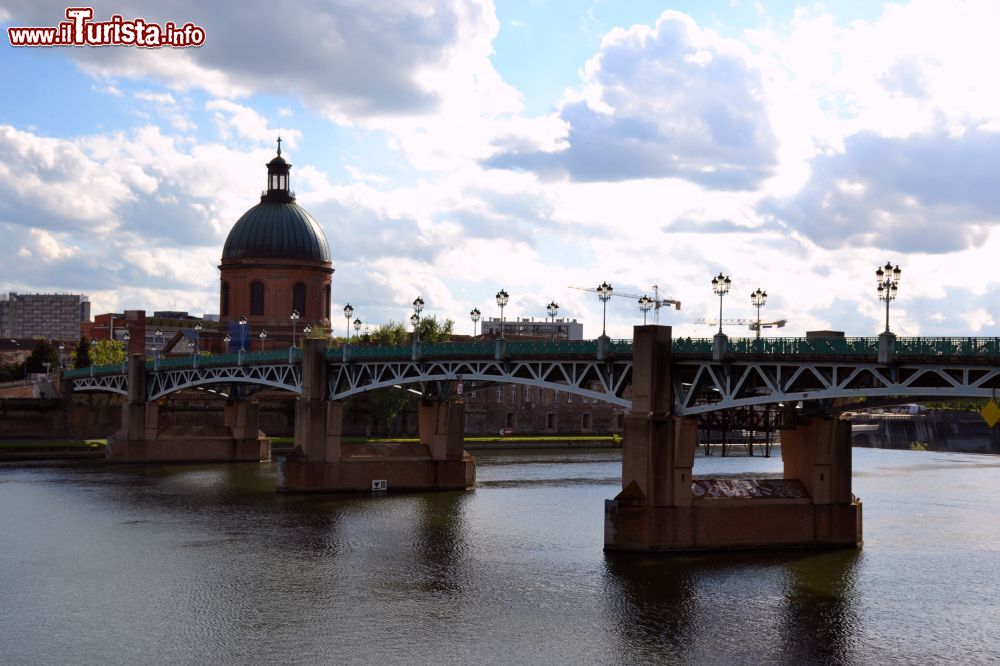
{"points": [[969, 348]]}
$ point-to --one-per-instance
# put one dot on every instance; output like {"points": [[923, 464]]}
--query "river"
{"points": [[207, 564]]}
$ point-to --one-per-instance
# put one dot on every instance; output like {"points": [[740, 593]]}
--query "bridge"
{"points": [[754, 371], [664, 383]]}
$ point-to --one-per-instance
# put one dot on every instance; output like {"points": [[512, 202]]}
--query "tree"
{"points": [[431, 330], [108, 352], [43, 357], [81, 355], [386, 405]]}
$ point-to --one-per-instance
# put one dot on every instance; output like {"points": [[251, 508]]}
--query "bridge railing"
{"points": [[926, 347], [948, 346]]}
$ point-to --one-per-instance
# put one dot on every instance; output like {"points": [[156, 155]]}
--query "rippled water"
{"points": [[201, 564]]}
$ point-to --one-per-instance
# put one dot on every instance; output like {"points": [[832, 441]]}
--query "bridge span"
{"points": [[665, 383]]}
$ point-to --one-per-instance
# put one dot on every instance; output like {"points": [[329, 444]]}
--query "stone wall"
{"points": [[99, 416], [941, 431]]}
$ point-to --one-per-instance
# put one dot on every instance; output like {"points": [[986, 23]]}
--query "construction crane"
{"points": [[656, 301], [752, 323]]}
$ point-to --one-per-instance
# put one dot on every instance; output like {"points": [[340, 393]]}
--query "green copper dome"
{"points": [[276, 230]]}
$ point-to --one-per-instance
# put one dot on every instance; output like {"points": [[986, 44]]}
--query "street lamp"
{"points": [[758, 299], [294, 317], [418, 307], [197, 337], [604, 291], [720, 285], [502, 299], [474, 314], [553, 309], [357, 328], [348, 313], [191, 348], [227, 339], [157, 341], [262, 335], [887, 282], [61, 348], [645, 304], [306, 330], [415, 321], [243, 333]]}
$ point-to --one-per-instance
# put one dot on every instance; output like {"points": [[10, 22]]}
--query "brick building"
{"points": [[55, 316], [275, 261], [530, 410]]}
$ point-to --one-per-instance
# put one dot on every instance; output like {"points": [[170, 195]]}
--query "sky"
{"points": [[450, 149]]}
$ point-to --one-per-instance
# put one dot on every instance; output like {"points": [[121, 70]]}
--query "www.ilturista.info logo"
{"points": [[79, 30]]}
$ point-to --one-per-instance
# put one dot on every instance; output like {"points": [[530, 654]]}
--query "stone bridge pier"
{"points": [[657, 509], [142, 440], [322, 462]]}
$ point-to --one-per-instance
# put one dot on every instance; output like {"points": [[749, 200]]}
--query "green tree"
{"points": [[81, 354], [108, 352], [396, 333], [42, 354]]}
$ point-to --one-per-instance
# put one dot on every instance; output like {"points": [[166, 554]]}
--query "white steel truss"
{"points": [[699, 385], [603, 380], [104, 383], [705, 386], [282, 376]]}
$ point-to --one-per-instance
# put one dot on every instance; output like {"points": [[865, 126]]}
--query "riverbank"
{"points": [[51, 449], [281, 445]]}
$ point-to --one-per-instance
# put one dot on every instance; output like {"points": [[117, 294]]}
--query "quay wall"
{"points": [[957, 431]]}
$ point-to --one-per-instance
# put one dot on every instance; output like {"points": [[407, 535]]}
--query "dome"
{"points": [[276, 230]]}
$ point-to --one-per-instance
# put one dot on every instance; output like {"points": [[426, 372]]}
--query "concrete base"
{"points": [[722, 524], [188, 450], [406, 469]]}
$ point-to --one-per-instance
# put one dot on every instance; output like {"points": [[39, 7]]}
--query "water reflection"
{"points": [[820, 620], [649, 602], [793, 606]]}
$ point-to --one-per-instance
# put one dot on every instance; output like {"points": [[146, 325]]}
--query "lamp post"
{"points": [[243, 333], [604, 291], [61, 348], [262, 335], [306, 330], [645, 304], [502, 299], [357, 328], [553, 309], [191, 348], [887, 284], [227, 340], [348, 313], [720, 285], [758, 299], [418, 307], [295, 318], [474, 314], [415, 322], [157, 343], [197, 337]]}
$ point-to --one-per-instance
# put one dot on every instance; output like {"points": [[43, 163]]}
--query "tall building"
{"points": [[561, 328], [56, 316], [275, 261]]}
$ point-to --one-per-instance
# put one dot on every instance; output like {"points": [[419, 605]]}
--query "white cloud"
{"points": [[671, 100], [232, 118]]}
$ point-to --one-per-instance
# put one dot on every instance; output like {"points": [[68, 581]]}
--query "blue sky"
{"points": [[450, 149]]}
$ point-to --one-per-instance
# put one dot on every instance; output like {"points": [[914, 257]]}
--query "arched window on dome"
{"points": [[256, 298], [299, 298], [327, 307], [225, 299]]}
